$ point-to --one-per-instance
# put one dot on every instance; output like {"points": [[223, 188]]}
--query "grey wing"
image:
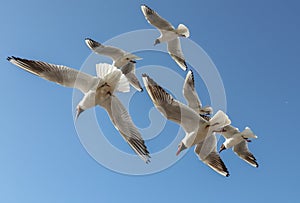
{"points": [[174, 49], [123, 123], [207, 153], [59, 74], [190, 93], [129, 71], [243, 152], [112, 52], [171, 108], [229, 131], [154, 19]]}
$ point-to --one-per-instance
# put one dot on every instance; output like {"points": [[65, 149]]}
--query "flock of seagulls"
{"points": [[198, 121]]}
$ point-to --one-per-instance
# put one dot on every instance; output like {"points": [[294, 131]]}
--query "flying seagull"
{"points": [[192, 97], [97, 91], [120, 60], [168, 34], [197, 129], [239, 143], [207, 149]]}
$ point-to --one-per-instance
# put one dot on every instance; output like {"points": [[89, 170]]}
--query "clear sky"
{"points": [[255, 47]]}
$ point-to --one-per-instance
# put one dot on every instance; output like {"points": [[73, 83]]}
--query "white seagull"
{"points": [[97, 91], [195, 127], [207, 149], [239, 143], [169, 34], [120, 59], [192, 97]]}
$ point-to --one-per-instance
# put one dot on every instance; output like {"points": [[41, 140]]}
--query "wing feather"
{"points": [[123, 123], [59, 74]]}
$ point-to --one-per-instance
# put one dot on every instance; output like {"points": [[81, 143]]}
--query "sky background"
{"points": [[255, 46]]}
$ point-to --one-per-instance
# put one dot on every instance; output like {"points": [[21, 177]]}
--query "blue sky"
{"points": [[255, 47]]}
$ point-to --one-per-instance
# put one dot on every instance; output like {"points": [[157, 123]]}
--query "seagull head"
{"points": [[181, 147], [222, 148], [157, 41], [79, 110]]}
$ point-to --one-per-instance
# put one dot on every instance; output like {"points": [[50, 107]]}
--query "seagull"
{"points": [[192, 97], [239, 143], [207, 149], [168, 34], [97, 91], [120, 59], [197, 129]]}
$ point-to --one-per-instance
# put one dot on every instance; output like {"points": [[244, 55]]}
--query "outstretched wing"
{"points": [[172, 109], [207, 152], [129, 71], [123, 123], [154, 19], [59, 74], [243, 152], [112, 52], [174, 49], [191, 95]]}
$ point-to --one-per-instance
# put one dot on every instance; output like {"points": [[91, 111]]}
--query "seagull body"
{"points": [[238, 141], [197, 129], [120, 59], [206, 150], [97, 91], [168, 34]]}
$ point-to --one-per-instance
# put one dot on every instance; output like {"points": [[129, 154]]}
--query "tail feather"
{"points": [[219, 120], [247, 133], [113, 76], [183, 30]]}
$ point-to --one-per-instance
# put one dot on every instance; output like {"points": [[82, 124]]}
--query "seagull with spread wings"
{"points": [[207, 149], [97, 91], [199, 131], [121, 59], [238, 141], [169, 34]]}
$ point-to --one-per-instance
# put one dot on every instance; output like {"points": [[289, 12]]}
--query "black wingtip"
{"points": [[87, 38], [144, 75], [227, 175], [9, 58]]}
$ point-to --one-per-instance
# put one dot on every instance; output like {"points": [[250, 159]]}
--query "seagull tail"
{"points": [[113, 77], [183, 30], [218, 121], [247, 133]]}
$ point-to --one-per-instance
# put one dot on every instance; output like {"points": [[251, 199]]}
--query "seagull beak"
{"points": [[78, 112], [181, 147], [132, 61], [222, 148]]}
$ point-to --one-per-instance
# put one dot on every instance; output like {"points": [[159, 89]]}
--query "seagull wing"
{"points": [[172, 109], [174, 49], [59, 74], [190, 93], [243, 152], [123, 123], [154, 19], [207, 153], [129, 71], [229, 131], [112, 52], [192, 97]]}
